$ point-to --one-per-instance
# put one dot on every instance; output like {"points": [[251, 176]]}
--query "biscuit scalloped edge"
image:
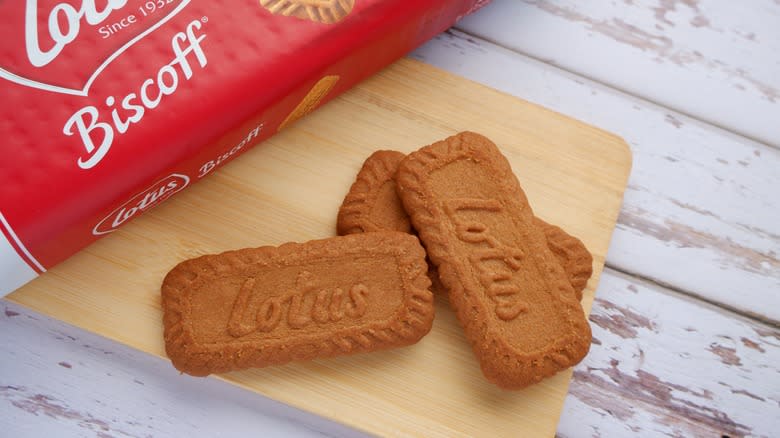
{"points": [[575, 258], [507, 368], [412, 320], [354, 216]]}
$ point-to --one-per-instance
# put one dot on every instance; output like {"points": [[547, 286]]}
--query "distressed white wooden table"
{"points": [[686, 321]]}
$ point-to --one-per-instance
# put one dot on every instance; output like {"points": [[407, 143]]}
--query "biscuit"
{"points": [[299, 301], [311, 100], [509, 292], [575, 259], [372, 204], [321, 11]]}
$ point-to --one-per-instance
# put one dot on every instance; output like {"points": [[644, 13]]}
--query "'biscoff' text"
{"points": [[97, 136], [210, 165]]}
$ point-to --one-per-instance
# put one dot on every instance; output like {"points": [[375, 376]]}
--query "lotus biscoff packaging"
{"points": [[108, 108]]}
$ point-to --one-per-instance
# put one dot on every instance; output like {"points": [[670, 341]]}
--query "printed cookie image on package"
{"points": [[311, 100], [321, 11]]}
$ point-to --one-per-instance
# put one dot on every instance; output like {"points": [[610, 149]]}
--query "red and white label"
{"points": [[62, 46], [101, 99]]}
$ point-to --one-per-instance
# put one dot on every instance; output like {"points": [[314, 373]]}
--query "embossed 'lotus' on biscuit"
{"points": [[372, 204], [268, 306], [511, 294]]}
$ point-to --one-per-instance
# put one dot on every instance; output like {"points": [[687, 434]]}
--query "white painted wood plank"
{"points": [[662, 365], [60, 381], [700, 213], [659, 364], [717, 60]]}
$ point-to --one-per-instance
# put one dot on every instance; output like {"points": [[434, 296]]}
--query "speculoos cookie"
{"points": [[299, 301], [510, 293], [372, 204]]}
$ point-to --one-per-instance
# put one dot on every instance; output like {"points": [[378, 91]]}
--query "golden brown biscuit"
{"points": [[372, 204], [311, 100], [509, 292], [321, 11], [575, 259], [299, 301]]}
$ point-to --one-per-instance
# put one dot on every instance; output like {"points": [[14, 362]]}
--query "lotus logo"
{"points": [[64, 46], [154, 195]]}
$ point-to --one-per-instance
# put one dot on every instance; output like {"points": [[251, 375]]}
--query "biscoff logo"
{"points": [[154, 195], [62, 46]]}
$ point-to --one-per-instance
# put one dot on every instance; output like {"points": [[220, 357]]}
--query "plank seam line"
{"points": [[672, 290], [643, 99]]}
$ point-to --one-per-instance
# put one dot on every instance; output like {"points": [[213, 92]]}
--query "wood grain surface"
{"points": [[290, 188], [696, 247]]}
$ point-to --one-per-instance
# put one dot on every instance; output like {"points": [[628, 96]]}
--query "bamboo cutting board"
{"points": [[289, 189]]}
